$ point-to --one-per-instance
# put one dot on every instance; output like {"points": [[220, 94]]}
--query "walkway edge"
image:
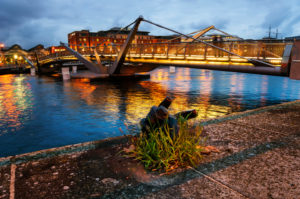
{"points": [[47, 153], [247, 113]]}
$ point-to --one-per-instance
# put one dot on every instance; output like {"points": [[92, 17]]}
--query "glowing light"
{"points": [[15, 100]]}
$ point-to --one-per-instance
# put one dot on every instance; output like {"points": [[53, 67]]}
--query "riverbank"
{"points": [[13, 70], [259, 158]]}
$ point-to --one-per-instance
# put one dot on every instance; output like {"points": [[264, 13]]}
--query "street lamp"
{"points": [[1, 46], [1, 53], [16, 59]]}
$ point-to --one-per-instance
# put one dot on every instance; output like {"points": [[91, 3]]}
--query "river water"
{"points": [[44, 112]]}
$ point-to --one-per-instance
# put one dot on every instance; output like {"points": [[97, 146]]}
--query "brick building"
{"points": [[85, 38]]}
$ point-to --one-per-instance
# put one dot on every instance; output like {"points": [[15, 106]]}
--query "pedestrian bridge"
{"points": [[185, 54], [264, 57]]}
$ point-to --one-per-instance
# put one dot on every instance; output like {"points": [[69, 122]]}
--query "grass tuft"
{"points": [[162, 150]]}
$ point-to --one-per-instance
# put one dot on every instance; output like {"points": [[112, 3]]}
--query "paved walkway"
{"points": [[259, 158]]}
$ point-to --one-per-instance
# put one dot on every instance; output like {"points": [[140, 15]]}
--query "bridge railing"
{"points": [[200, 51], [256, 50], [259, 50]]}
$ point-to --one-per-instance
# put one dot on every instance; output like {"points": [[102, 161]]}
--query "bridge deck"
{"points": [[268, 52]]}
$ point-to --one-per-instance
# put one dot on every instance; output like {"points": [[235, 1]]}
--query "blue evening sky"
{"points": [[32, 22]]}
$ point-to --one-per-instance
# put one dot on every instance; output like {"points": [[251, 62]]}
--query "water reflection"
{"points": [[190, 91], [42, 112], [15, 102], [128, 104]]}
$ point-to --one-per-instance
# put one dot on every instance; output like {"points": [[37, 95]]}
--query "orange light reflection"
{"points": [[15, 99]]}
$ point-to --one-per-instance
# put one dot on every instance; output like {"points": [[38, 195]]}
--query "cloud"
{"points": [[15, 13], [30, 22]]}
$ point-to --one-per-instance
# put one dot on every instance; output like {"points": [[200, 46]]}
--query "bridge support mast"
{"points": [[116, 67], [96, 68]]}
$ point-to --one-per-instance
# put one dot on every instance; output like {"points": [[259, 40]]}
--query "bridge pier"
{"points": [[172, 69], [65, 73], [32, 71], [74, 69]]}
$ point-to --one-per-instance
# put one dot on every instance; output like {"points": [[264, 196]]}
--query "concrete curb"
{"points": [[47, 153]]}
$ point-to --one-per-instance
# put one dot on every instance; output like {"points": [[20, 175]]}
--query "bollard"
{"points": [[166, 102], [172, 69], [188, 114], [74, 69], [32, 71], [65, 73], [159, 116]]}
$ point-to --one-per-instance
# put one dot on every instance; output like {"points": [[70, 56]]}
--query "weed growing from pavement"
{"points": [[162, 150]]}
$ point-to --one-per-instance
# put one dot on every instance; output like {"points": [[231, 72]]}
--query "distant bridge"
{"points": [[243, 56]]}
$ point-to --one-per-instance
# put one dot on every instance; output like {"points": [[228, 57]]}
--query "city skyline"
{"points": [[31, 22]]}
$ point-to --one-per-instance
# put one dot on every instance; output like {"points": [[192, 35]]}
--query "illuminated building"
{"points": [[219, 38], [56, 49], [2, 58], [292, 38], [14, 55], [85, 38]]}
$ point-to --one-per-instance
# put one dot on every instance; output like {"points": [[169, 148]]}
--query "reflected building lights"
{"points": [[138, 105], [16, 101], [160, 75], [84, 89], [285, 87], [182, 77], [233, 92], [54, 113], [109, 101], [264, 90]]}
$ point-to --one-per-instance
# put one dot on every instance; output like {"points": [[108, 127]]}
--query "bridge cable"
{"points": [[267, 51], [250, 60]]}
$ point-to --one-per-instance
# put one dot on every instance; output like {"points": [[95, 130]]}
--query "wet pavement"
{"points": [[259, 158]]}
